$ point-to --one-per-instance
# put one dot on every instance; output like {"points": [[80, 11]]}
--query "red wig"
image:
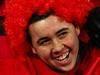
{"points": [[18, 13]]}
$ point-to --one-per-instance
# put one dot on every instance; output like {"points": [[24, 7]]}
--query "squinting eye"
{"points": [[62, 35], [45, 42]]}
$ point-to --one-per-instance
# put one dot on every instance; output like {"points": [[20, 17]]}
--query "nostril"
{"points": [[57, 49], [57, 52]]}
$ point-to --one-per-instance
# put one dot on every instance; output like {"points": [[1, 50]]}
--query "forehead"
{"points": [[48, 25]]}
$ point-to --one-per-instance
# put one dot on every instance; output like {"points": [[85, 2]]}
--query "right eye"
{"points": [[45, 42], [63, 34]]}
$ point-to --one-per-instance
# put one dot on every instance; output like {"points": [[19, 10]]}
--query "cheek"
{"points": [[41, 51], [72, 42], [44, 51]]}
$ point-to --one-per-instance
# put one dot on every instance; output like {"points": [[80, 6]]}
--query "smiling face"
{"points": [[56, 42]]}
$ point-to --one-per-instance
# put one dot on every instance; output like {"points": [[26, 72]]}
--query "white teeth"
{"points": [[62, 57]]}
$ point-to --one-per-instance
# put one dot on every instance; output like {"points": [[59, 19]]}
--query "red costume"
{"points": [[96, 2], [17, 14]]}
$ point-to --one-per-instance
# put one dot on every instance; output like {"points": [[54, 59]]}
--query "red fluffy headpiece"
{"points": [[18, 13]]}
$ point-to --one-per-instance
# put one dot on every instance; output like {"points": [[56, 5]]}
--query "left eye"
{"points": [[62, 35]]}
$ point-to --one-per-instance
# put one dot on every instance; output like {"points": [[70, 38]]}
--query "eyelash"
{"points": [[45, 42], [62, 35]]}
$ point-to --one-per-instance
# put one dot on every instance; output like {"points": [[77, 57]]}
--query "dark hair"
{"points": [[37, 17], [93, 27], [2, 31]]}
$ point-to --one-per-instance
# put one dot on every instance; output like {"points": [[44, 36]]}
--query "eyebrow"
{"points": [[63, 29]]}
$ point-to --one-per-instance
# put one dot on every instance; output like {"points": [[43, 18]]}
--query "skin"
{"points": [[53, 39]]}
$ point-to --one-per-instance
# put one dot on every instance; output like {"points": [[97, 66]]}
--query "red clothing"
{"points": [[20, 65], [96, 2], [91, 65], [42, 69], [23, 65], [94, 64], [5, 50]]}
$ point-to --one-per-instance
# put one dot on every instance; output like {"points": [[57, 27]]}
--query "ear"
{"points": [[77, 31], [34, 50]]}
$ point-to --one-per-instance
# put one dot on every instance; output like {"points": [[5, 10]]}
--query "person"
{"points": [[45, 37], [57, 48]]}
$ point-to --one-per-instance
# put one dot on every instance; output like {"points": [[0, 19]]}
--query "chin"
{"points": [[66, 68]]}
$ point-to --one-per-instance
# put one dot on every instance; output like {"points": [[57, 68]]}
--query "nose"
{"points": [[57, 47]]}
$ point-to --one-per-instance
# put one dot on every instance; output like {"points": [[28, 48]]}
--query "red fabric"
{"points": [[95, 68], [12, 65], [42, 69], [9, 64], [91, 65], [96, 2], [5, 50], [94, 65], [23, 65]]}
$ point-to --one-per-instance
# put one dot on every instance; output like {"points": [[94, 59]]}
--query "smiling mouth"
{"points": [[63, 56]]}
